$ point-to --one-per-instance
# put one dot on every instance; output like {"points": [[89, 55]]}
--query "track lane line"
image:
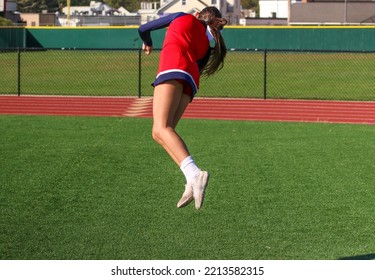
{"points": [[203, 108]]}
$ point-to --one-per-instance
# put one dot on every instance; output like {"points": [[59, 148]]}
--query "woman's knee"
{"points": [[157, 134]]}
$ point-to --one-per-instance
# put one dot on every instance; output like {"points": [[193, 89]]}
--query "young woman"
{"points": [[185, 56]]}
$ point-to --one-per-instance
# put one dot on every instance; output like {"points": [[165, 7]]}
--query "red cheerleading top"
{"points": [[185, 52]]}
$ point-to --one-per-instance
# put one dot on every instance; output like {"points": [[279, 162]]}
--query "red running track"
{"points": [[202, 108]]}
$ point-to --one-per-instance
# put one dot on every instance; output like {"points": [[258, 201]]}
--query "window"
{"points": [[183, 2]]}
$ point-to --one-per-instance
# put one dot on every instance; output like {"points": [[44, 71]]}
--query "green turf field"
{"points": [[99, 188], [332, 76]]}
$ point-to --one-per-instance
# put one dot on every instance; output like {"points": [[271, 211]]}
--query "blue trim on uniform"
{"points": [[162, 22], [176, 74]]}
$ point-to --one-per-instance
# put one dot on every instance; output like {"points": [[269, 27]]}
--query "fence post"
{"points": [[139, 72], [265, 74], [19, 71]]}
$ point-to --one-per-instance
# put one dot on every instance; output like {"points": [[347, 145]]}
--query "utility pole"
{"points": [[346, 12], [4, 6], [68, 16]]}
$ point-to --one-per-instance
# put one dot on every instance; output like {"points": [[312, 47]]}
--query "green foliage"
{"points": [[31, 6], [5, 22], [249, 4], [130, 5]]}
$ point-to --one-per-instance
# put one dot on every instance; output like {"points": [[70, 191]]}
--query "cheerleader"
{"points": [[185, 56]]}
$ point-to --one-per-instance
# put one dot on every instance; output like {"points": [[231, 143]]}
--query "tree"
{"points": [[28, 6], [31, 6], [5, 22], [249, 4], [130, 5]]}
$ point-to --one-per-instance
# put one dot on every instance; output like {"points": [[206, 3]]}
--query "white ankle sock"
{"points": [[189, 168]]}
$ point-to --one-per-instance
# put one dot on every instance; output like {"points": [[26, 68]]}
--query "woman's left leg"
{"points": [[168, 107]]}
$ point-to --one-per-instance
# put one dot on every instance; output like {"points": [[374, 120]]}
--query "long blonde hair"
{"points": [[212, 17]]}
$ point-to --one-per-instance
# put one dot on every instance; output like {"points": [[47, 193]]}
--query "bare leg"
{"points": [[169, 104], [168, 107]]}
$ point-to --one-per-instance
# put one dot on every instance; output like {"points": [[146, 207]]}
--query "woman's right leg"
{"points": [[169, 103]]}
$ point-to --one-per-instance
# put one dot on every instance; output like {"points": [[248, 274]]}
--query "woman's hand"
{"points": [[147, 49]]}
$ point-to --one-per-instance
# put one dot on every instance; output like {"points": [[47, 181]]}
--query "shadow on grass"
{"points": [[360, 257]]}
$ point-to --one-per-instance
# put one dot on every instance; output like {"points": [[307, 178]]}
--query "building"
{"points": [[8, 6], [230, 9], [319, 12], [273, 8], [334, 12], [97, 14], [100, 14], [35, 19]]}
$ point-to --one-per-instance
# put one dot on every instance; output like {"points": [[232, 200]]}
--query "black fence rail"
{"points": [[288, 74]]}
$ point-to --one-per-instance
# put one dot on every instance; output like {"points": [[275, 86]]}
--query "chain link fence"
{"points": [[246, 74]]}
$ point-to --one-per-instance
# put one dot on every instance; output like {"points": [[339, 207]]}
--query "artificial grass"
{"points": [[99, 188]]}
